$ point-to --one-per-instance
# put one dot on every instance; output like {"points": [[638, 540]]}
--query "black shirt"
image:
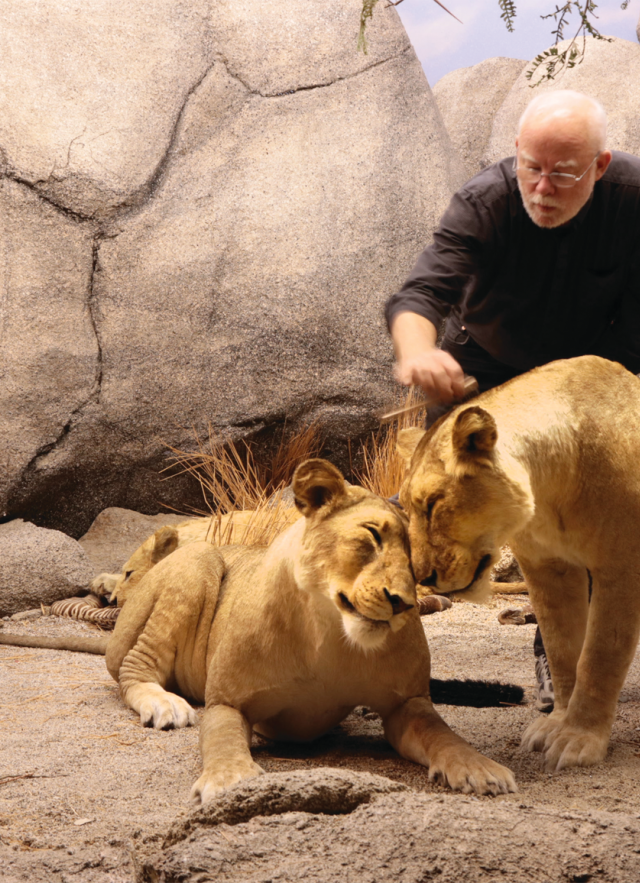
{"points": [[528, 294]]}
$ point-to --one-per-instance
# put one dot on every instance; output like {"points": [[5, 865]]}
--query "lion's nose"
{"points": [[431, 580], [397, 604]]}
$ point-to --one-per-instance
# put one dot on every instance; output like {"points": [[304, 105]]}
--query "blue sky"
{"points": [[443, 44]]}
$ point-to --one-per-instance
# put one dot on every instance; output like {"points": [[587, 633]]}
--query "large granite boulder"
{"points": [[609, 72], [468, 99], [39, 566], [205, 206]]}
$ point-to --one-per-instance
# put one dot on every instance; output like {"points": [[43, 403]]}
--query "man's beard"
{"points": [[556, 220]]}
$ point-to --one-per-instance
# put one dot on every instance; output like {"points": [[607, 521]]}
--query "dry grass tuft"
{"points": [[257, 527], [249, 493], [383, 469], [244, 496]]}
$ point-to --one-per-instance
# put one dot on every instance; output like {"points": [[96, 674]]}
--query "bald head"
{"points": [[561, 154], [568, 110]]}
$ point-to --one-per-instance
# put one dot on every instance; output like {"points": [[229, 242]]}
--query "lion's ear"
{"points": [[315, 483], [474, 431], [165, 541], [408, 440]]}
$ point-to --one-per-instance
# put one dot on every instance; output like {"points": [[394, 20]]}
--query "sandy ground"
{"points": [[81, 781]]}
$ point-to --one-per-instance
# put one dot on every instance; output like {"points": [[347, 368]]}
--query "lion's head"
{"points": [[462, 503], [354, 549], [156, 547]]}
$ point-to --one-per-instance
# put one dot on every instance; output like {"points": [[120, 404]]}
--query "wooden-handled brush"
{"points": [[387, 415]]}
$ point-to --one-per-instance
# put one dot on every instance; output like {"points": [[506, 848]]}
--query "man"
{"points": [[537, 258]]}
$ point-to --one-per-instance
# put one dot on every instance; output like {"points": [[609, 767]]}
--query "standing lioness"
{"points": [[549, 462], [288, 639]]}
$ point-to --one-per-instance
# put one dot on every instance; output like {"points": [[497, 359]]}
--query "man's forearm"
{"points": [[419, 362], [412, 334]]}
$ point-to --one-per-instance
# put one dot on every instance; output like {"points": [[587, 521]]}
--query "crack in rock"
{"points": [[134, 200], [311, 86], [46, 449], [138, 199], [91, 300], [12, 175], [96, 388], [146, 192]]}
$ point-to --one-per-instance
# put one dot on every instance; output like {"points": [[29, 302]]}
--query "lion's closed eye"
{"points": [[375, 534], [431, 502]]}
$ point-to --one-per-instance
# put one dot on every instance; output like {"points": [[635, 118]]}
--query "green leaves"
{"points": [[552, 60], [508, 13], [365, 15]]}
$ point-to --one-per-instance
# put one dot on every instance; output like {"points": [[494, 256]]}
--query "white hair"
{"points": [[566, 102]]}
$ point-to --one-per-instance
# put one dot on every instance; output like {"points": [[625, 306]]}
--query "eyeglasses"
{"points": [[557, 179]]}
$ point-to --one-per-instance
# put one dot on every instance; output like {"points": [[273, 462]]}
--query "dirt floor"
{"points": [[81, 781]]}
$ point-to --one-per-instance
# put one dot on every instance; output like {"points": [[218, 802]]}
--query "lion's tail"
{"points": [[74, 643], [479, 694]]}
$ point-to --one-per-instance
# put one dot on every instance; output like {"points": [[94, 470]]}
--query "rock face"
{"points": [[609, 72], [206, 205], [468, 100], [39, 567], [117, 533], [409, 836]]}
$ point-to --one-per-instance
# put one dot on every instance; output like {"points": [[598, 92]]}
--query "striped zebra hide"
{"points": [[87, 609]]}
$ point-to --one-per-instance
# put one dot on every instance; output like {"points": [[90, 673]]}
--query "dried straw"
{"points": [[233, 483], [383, 469]]}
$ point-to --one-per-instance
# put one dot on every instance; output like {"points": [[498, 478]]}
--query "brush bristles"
{"points": [[383, 469]]}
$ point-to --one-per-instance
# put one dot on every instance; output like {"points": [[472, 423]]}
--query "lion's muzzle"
{"points": [[445, 583]]}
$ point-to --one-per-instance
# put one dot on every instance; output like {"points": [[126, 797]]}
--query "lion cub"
{"points": [[550, 463], [288, 639], [232, 527]]}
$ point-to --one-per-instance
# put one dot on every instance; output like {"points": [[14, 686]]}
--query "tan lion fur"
{"points": [[550, 463], [288, 639], [245, 527]]}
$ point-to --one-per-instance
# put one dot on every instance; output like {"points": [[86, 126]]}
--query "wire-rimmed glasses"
{"points": [[532, 175]]}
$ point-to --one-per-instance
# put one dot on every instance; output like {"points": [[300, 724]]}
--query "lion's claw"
{"points": [[476, 775], [214, 782], [564, 745], [160, 709]]}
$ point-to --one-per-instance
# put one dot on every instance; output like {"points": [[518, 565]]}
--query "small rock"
{"points": [[39, 566], [322, 790], [507, 569], [26, 615]]}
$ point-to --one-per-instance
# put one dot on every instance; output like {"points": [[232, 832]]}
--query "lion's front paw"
{"points": [[104, 584], [472, 773], [538, 733], [564, 745], [165, 711], [213, 782]]}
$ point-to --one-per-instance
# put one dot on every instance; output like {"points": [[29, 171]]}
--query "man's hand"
{"points": [[420, 363], [437, 372]]}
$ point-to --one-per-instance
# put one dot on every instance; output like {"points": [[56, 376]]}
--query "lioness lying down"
{"points": [[288, 639], [550, 463], [230, 528]]}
